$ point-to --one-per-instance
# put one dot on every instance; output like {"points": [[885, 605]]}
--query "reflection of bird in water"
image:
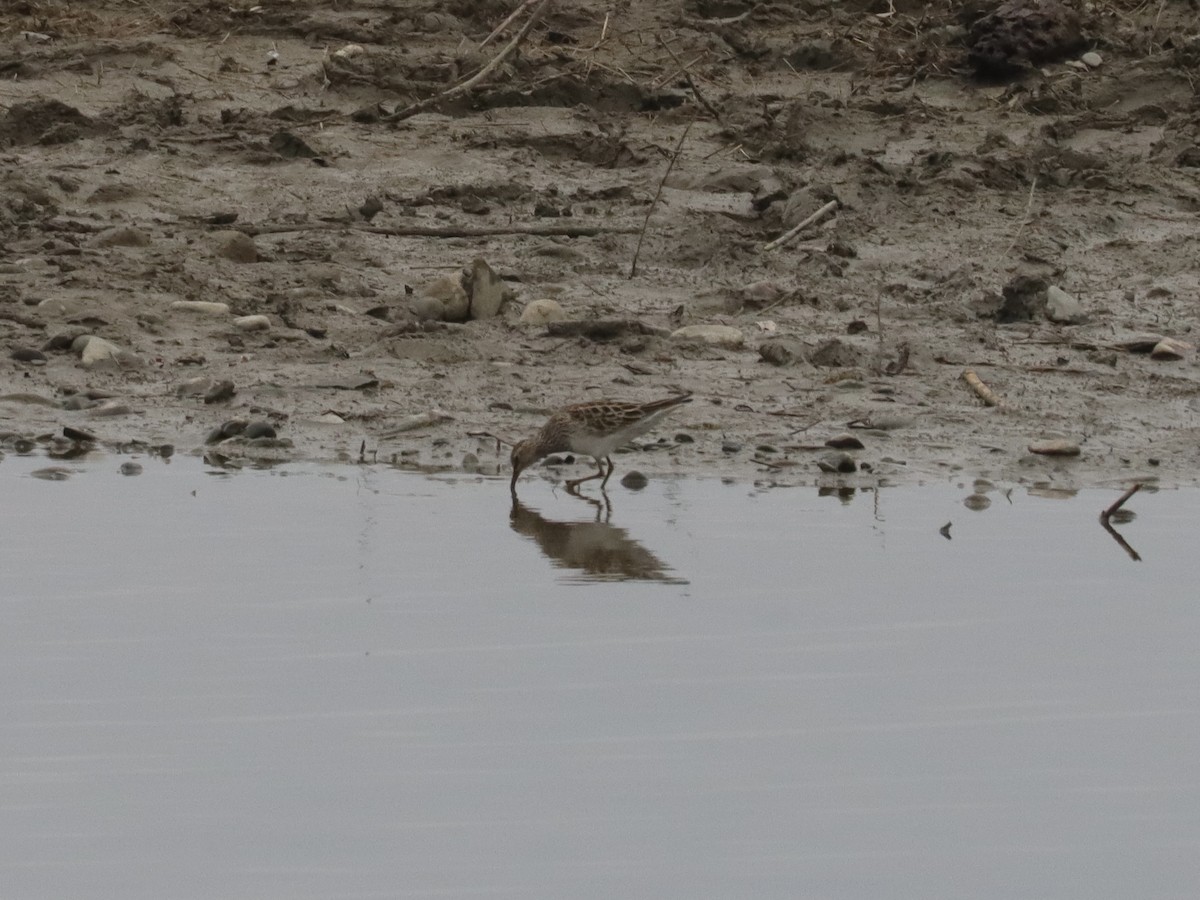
{"points": [[602, 552], [595, 429]]}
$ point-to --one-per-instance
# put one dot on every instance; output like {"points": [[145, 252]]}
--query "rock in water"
{"points": [[1023, 33]]}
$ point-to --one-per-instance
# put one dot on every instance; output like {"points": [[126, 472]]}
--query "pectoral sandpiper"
{"points": [[594, 429]]}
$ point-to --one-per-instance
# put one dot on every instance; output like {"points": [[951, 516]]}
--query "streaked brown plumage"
{"points": [[594, 429]]}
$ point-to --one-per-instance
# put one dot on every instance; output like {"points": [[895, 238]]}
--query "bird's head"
{"points": [[524, 454]]}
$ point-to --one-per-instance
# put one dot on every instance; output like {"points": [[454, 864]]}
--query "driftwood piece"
{"points": [[986, 394]]}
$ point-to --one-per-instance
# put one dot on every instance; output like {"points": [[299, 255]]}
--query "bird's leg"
{"points": [[574, 483], [611, 466]]}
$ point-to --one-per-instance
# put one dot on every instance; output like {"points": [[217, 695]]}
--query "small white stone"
{"points": [[539, 312], [1171, 348], [252, 323], [1092, 59], [97, 350], [203, 307], [716, 335]]}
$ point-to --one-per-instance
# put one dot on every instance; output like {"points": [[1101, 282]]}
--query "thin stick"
{"points": [[986, 394], [815, 217], [1107, 514], [691, 83], [448, 231], [499, 29], [1024, 220], [477, 78], [654, 203]]}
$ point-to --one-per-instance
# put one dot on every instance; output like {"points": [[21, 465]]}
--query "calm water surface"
{"points": [[360, 683]]}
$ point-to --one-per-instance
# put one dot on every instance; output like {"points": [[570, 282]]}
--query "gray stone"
{"points": [[540, 312], [1092, 59], [96, 351], [444, 299], [781, 351], [236, 246], [1063, 308], [487, 291], [1171, 348], [252, 323], [201, 307], [715, 335], [840, 463]]}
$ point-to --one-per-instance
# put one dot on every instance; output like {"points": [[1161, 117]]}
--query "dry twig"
{"points": [[1108, 513], [654, 203], [815, 217], [476, 79]]}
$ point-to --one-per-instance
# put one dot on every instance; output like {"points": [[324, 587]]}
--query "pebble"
{"points": [[1170, 349], [539, 312], [634, 481], [51, 473], [201, 307], [837, 462], [97, 350], [684, 438], [228, 429], [715, 335], [258, 429], [63, 338], [780, 351], [220, 392], [236, 246], [1063, 308], [443, 299], [194, 387], [108, 409], [730, 447], [487, 291], [252, 323], [844, 442], [470, 462], [1055, 447], [77, 434], [1092, 59], [977, 502], [131, 468], [29, 355], [78, 401]]}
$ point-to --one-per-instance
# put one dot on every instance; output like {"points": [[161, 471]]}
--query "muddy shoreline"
{"points": [[219, 196]]}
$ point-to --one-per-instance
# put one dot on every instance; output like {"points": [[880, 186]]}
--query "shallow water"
{"points": [[316, 683]]}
